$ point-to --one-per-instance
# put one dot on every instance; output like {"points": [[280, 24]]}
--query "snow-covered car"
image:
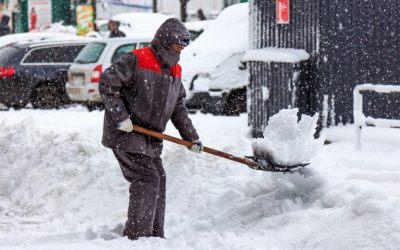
{"points": [[213, 72], [197, 27], [140, 24], [84, 74]]}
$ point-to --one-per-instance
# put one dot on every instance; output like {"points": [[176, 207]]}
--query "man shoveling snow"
{"points": [[144, 88]]}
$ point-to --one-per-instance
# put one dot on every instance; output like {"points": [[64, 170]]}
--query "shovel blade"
{"points": [[266, 164]]}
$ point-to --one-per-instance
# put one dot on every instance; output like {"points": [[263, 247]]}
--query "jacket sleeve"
{"points": [[111, 82], [180, 119]]}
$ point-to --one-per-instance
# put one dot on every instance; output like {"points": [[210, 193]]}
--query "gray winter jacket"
{"points": [[145, 86]]}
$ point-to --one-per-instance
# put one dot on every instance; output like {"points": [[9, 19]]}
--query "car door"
{"points": [[48, 68], [51, 63]]}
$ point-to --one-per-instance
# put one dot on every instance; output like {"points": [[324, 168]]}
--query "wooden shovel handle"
{"points": [[248, 162]]}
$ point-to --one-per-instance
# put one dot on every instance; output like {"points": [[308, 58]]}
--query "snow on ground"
{"points": [[61, 189]]}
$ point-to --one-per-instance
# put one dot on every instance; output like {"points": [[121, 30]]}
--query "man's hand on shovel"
{"points": [[197, 146]]}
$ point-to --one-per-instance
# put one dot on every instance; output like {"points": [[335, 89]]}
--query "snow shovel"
{"points": [[253, 162]]}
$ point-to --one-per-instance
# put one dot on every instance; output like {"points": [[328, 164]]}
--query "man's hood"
{"points": [[170, 32]]}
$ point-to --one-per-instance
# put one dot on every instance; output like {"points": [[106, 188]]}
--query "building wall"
{"points": [[359, 44], [350, 42]]}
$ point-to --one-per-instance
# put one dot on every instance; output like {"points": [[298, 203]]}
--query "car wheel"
{"points": [[47, 96]]}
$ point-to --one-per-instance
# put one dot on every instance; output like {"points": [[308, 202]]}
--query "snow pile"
{"points": [[288, 141], [59, 178], [61, 189], [276, 55], [59, 27]]}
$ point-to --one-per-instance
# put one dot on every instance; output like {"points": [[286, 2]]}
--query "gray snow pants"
{"points": [[146, 209]]}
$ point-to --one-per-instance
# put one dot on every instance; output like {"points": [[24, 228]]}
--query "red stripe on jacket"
{"points": [[147, 60]]}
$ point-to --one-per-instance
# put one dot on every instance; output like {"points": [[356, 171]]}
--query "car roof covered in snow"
{"points": [[122, 39], [37, 37], [32, 44]]}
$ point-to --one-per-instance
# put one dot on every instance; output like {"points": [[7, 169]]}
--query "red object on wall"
{"points": [[33, 18], [282, 11]]}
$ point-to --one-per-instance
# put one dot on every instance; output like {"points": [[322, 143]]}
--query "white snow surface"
{"points": [[61, 189], [276, 55], [288, 141]]}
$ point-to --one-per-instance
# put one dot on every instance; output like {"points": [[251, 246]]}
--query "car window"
{"points": [[122, 50], [142, 45], [90, 53], [67, 54], [10, 55], [61, 54]]}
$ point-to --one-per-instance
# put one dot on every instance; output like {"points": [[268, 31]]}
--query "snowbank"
{"points": [[60, 189]]}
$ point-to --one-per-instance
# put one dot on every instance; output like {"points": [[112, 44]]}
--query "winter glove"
{"points": [[125, 126], [197, 146]]}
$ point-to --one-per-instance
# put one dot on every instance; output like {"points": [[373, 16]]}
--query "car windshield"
{"points": [[91, 53]]}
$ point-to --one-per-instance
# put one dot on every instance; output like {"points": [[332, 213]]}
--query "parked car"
{"points": [[213, 72], [84, 74], [36, 72]]}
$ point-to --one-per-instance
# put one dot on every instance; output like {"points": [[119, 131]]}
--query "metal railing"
{"points": [[359, 118]]}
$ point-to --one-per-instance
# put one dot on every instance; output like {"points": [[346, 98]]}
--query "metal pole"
{"points": [[154, 6], [183, 10], [94, 10]]}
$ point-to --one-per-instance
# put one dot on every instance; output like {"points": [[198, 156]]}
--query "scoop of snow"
{"points": [[289, 141]]}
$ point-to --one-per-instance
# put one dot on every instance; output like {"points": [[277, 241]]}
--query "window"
{"points": [[90, 53], [142, 45], [10, 55], [120, 51], [62, 54], [67, 54]]}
